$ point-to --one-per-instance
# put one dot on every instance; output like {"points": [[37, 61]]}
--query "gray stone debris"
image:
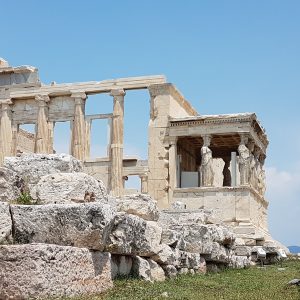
{"points": [[156, 271], [80, 225], [166, 255], [5, 224], [32, 167], [140, 205], [9, 182], [132, 235], [170, 271], [63, 188], [141, 268], [50, 271]]}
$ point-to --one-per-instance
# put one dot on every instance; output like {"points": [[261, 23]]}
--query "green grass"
{"points": [[253, 283]]}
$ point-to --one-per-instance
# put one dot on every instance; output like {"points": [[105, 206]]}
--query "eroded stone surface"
{"points": [[141, 268], [9, 182], [69, 188], [45, 271], [5, 224], [140, 205], [156, 271], [32, 167], [80, 225], [133, 235]]}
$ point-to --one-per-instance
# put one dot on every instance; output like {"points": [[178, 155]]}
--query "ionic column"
{"points": [[206, 168], [6, 136], [88, 125], [244, 160], [42, 130], [117, 140], [50, 137], [15, 130], [144, 184], [172, 167], [78, 127]]}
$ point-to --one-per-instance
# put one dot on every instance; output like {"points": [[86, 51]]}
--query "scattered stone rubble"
{"points": [[69, 245]]}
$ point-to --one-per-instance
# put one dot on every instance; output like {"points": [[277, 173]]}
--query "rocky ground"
{"points": [[76, 239]]}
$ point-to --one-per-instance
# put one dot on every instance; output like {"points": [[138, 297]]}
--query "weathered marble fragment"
{"points": [[63, 188], [51, 271], [132, 235], [32, 167], [80, 225], [9, 182], [141, 205], [5, 224]]}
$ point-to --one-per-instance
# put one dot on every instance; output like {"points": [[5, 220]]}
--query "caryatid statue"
{"points": [[244, 161], [206, 168]]}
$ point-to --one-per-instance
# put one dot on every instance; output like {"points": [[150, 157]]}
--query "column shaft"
{"points": [[172, 168], [78, 128], [117, 140], [6, 136], [42, 132], [144, 184]]}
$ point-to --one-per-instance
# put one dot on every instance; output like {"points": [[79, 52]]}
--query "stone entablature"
{"points": [[231, 123]]}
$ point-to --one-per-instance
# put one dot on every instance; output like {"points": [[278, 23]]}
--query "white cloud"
{"points": [[283, 193]]}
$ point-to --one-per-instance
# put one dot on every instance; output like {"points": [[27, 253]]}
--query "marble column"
{"points": [[172, 167], [144, 184], [117, 140], [6, 136], [206, 168], [42, 130], [51, 137], [78, 127], [88, 126], [244, 160], [15, 130]]}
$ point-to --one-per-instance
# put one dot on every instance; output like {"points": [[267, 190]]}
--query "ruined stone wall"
{"points": [[166, 102], [25, 141]]}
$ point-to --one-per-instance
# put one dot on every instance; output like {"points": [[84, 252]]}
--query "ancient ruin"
{"points": [[206, 173]]}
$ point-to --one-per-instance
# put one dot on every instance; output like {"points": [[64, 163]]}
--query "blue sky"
{"points": [[224, 56]]}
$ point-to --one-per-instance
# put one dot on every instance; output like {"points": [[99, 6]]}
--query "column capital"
{"points": [[117, 92], [206, 140], [244, 138], [42, 99], [173, 140], [78, 96], [6, 102]]}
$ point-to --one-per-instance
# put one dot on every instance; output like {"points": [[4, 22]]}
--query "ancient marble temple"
{"points": [[203, 161]]}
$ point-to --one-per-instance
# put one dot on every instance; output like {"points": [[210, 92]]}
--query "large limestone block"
{"points": [[80, 225], [141, 268], [32, 167], [214, 252], [156, 271], [5, 224], [195, 237], [140, 205], [52, 271], [165, 256], [9, 182], [132, 235], [69, 187], [239, 262]]}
